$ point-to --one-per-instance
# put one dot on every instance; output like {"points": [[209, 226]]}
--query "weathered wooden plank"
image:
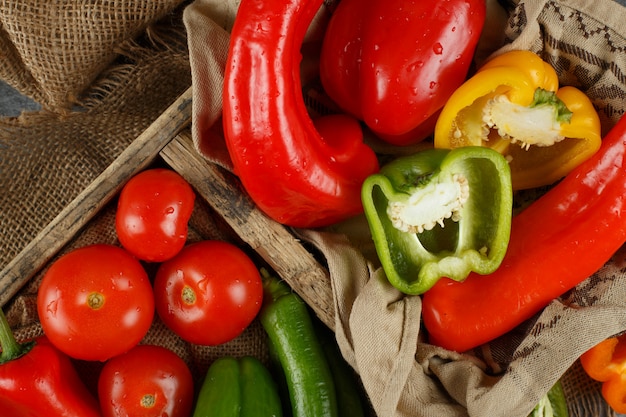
{"points": [[271, 240], [75, 215]]}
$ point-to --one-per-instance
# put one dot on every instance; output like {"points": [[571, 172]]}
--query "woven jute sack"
{"points": [[52, 51], [48, 159], [378, 328]]}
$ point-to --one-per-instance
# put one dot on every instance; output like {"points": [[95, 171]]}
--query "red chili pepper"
{"points": [[394, 63], [296, 174], [37, 380], [556, 242]]}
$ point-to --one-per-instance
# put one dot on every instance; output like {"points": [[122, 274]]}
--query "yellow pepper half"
{"points": [[513, 104]]}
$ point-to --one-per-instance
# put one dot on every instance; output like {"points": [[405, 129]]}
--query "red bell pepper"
{"points": [[556, 242], [37, 380], [298, 174], [606, 362], [394, 63]]}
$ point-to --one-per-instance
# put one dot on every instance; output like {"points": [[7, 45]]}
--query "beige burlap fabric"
{"points": [[48, 158], [377, 328], [53, 50]]}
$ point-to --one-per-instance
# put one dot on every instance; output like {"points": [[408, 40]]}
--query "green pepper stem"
{"points": [[274, 287], [11, 349], [549, 98]]}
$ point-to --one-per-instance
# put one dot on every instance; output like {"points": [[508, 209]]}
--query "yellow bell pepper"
{"points": [[513, 104]]}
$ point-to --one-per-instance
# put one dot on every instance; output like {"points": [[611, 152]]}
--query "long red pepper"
{"points": [[557, 242], [295, 173], [37, 380]]}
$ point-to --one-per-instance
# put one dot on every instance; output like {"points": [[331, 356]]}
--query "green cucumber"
{"points": [[553, 404], [276, 369], [286, 320], [238, 388], [349, 399]]}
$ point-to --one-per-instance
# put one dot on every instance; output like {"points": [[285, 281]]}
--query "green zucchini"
{"points": [[240, 387], [286, 320]]}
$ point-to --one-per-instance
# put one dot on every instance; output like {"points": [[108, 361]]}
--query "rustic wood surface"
{"points": [[75, 215], [271, 240], [169, 138]]}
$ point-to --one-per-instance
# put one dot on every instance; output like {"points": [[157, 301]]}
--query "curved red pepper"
{"points": [[394, 63], [557, 242], [293, 173], [37, 380]]}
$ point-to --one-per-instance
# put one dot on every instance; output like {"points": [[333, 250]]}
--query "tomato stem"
{"points": [[188, 295], [148, 401], [11, 349], [95, 300]]}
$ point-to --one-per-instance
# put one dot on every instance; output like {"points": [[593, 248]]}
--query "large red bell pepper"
{"points": [[556, 242], [37, 380], [394, 63], [298, 174]]}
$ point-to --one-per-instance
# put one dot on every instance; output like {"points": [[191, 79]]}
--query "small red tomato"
{"points": [[146, 381], [153, 210], [95, 302], [208, 293]]}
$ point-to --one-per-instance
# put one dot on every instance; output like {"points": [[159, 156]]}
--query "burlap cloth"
{"points": [[48, 157], [53, 50]]}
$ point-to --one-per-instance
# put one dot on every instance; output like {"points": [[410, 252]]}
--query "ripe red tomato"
{"points": [[95, 302], [208, 293], [153, 210], [147, 381]]}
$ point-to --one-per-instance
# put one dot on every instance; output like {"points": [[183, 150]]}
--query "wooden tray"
{"points": [[169, 137]]}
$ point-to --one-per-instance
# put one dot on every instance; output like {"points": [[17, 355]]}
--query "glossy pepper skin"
{"points": [[297, 351], [295, 174], [556, 242], [37, 380], [439, 213], [606, 362], [513, 104], [394, 63]]}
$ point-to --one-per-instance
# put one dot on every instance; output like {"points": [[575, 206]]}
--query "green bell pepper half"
{"points": [[439, 213]]}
